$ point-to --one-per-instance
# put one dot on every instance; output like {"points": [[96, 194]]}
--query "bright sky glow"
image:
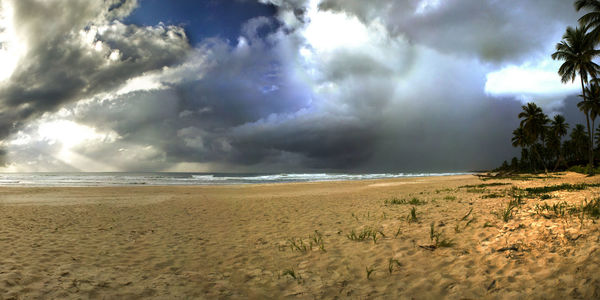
{"points": [[70, 134], [11, 47], [328, 30], [541, 79], [141, 83]]}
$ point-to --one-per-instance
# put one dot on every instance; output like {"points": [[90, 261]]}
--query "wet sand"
{"points": [[224, 242]]}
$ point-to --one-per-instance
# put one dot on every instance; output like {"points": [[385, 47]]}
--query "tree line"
{"points": [[541, 138]]}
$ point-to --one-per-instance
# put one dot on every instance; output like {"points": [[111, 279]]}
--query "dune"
{"points": [[347, 239]]}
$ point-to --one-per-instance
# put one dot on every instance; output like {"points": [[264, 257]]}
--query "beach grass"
{"points": [[412, 201]]}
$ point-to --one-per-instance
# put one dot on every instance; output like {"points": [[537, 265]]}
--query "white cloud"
{"points": [[538, 82], [328, 30], [11, 45]]}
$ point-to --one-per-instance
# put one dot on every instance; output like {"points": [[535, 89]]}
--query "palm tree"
{"points": [[558, 129], [577, 51], [597, 137], [520, 140], [578, 142], [534, 125], [590, 20], [592, 104]]}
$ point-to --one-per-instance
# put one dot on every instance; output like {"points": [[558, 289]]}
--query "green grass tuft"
{"points": [[398, 232], [391, 264], [413, 201], [412, 215], [317, 240], [476, 190], [291, 272], [314, 240], [297, 244], [484, 185], [562, 187], [438, 239], [491, 196], [365, 234], [370, 270]]}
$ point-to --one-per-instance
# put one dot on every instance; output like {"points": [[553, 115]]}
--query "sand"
{"points": [[233, 242]]}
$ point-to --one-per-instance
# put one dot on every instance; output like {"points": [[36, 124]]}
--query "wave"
{"points": [[130, 179], [316, 177]]}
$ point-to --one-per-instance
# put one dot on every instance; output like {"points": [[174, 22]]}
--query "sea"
{"points": [[184, 179]]}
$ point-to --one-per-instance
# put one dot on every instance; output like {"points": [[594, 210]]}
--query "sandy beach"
{"points": [[302, 240]]}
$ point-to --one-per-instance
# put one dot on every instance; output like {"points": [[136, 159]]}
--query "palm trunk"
{"points": [[558, 160], [592, 139], [540, 158], [587, 118], [531, 162], [590, 151]]}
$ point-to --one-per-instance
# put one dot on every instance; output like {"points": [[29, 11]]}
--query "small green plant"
{"points": [[555, 210], [476, 190], [467, 215], [393, 263], [317, 240], [369, 270], [545, 197], [484, 185], [297, 244], [581, 216], [395, 201], [470, 221], [450, 198], [532, 192], [444, 243], [505, 214], [314, 240], [416, 201], [364, 234], [438, 239], [491, 196], [397, 232], [592, 208], [413, 201], [584, 170], [412, 216], [457, 228], [487, 224], [559, 208], [292, 273]]}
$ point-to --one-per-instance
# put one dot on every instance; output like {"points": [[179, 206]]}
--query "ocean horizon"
{"points": [[95, 179]]}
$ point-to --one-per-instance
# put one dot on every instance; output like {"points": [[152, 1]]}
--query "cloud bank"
{"points": [[321, 86]]}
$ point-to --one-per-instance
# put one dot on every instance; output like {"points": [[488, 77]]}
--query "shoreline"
{"points": [[124, 179]]}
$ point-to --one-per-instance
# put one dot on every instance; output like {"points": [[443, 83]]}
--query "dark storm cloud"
{"points": [[367, 123], [411, 98], [495, 31], [77, 49]]}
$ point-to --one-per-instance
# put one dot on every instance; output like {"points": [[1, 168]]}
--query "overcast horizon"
{"points": [[267, 86]]}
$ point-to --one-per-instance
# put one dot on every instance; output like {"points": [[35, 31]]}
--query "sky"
{"points": [[274, 85]]}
